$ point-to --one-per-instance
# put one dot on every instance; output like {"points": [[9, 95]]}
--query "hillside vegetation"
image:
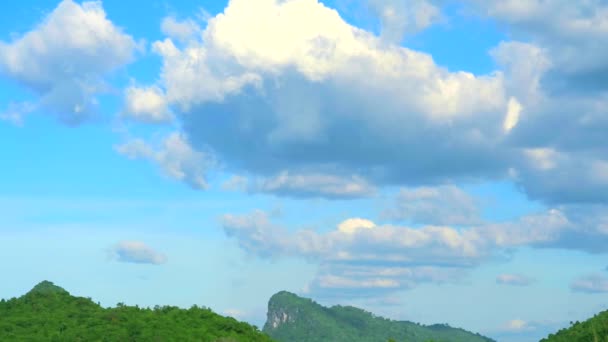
{"points": [[594, 329], [50, 313], [292, 318]]}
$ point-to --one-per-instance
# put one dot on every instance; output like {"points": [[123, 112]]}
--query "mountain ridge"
{"points": [[47, 287], [49, 313], [294, 318], [594, 329]]}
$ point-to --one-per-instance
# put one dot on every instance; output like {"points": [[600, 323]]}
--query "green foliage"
{"points": [[292, 318], [594, 329], [49, 313]]}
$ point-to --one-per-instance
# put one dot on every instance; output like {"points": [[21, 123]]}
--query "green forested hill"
{"points": [[49, 313], [292, 318], [594, 329]]}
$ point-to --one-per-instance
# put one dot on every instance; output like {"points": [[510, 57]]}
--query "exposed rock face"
{"points": [[278, 318], [281, 310], [295, 319]]}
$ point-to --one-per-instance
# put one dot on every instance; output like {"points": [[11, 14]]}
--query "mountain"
{"points": [[595, 329], [291, 318], [46, 288], [50, 313]]}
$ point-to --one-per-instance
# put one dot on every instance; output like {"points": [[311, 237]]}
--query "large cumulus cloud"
{"points": [[66, 58], [271, 91]]}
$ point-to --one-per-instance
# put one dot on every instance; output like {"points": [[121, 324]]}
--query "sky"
{"points": [[436, 161]]}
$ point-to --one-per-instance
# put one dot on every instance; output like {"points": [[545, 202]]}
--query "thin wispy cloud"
{"points": [[514, 279], [137, 252], [593, 283], [443, 205]]}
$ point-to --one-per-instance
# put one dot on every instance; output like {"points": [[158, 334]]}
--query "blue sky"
{"points": [[435, 161]]}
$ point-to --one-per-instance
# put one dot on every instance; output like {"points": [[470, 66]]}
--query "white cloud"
{"points": [[441, 205], [16, 111], [236, 313], [559, 176], [593, 283], [327, 98], [331, 281], [376, 281], [332, 48], [181, 30], [319, 102], [66, 57], [514, 279], [542, 158], [175, 157], [557, 90], [547, 162], [524, 64], [541, 229], [513, 111], [351, 225], [404, 245], [316, 184], [183, 70], [517, 325], [235, 183], [565, 28], [257, 235], [399, 18], [360, 253], [519, 329], [137, 252], [303, 185], [146, 105]]}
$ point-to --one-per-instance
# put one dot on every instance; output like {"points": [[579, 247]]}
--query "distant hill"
{"points": [[595, 329], [50, 313], [291, 318]]}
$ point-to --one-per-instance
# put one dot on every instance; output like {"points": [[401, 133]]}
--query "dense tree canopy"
{"points": [[292, 318], [49, 313], [594, 329]]}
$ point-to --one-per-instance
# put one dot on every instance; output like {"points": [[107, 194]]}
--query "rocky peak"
{"points": [[283, 307]]}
